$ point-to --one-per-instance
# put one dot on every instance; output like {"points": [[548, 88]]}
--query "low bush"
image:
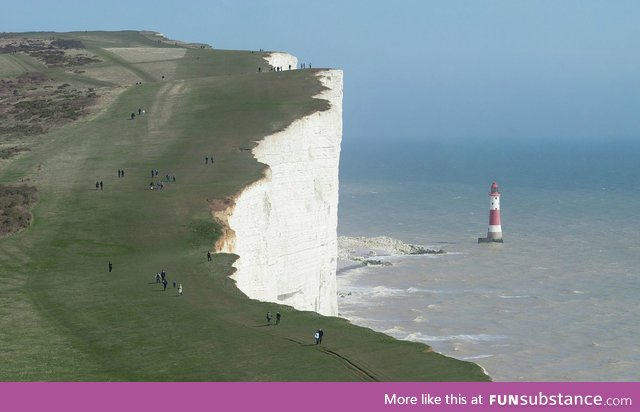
{"points": [[16, 202]]}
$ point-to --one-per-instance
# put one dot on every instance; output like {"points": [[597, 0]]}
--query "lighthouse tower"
{"points": [[495, 229]]}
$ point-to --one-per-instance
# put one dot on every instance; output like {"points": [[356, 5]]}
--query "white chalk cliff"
{"points": [[283, 60], [284, 226]]}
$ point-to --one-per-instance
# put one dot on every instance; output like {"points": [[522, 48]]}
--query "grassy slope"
{"points": [[95, 39], [64, 317]]}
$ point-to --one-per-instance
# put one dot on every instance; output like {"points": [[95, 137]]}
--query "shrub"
{"points": [[16, 202]]}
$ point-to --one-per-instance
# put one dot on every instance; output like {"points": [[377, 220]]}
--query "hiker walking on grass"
{"points": [[320, 333], [174, 284], [208, 256], [110, 267], [158, 277], [316, 336], [277, 318], [101, 185], [164, 284], [206, 160], [268, 318], [180, 289], [97, 185]]}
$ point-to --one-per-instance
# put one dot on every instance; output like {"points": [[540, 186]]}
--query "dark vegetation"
{"points": [[32, 104], [15, 205], [52, 52], [67, 44], [7, 152], [9, 44], [58, 58]]}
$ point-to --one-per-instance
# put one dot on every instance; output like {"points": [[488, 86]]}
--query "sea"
{"points": [[557, 301]]}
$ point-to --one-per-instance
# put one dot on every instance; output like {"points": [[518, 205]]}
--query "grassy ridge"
{"points": [[65, 317], [96, 39]]}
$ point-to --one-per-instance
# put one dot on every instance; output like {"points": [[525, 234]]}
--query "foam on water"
{"points": [[469, 358], [417, 336], [382, 291], [513, 297]]}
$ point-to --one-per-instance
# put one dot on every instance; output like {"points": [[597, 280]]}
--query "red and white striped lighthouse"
{"points": [[494, 233]]}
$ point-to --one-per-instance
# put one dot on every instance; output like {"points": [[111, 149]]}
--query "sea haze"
{"points": [[556, 302]]}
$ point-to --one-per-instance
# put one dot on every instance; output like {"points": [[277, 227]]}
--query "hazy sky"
{"points": [[417, 69]]}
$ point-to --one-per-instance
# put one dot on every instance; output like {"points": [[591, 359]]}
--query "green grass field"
{"points": [[64, 317]]}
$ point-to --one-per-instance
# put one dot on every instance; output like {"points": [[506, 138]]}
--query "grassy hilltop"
{"points": [[65, 122]]}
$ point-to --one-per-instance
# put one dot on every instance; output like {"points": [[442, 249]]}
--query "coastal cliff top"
{"points": [[92, 120]]}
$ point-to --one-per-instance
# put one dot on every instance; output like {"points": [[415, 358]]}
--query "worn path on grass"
{"points": [[67, 318]]}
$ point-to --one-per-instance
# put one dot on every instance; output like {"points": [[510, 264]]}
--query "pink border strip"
{"points": [[308, 397]]}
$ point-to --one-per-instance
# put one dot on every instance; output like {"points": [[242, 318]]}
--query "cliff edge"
{"points": [[79, 283], [284, 226]]}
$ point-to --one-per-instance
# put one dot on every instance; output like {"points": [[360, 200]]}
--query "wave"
{"points": [[476, 357], [394, 330], [413, 289], [347, 269], [417, 336], [383, 291]]}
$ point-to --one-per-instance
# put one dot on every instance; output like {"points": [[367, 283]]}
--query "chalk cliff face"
{"points": [[284, 227], [282, 60]]}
